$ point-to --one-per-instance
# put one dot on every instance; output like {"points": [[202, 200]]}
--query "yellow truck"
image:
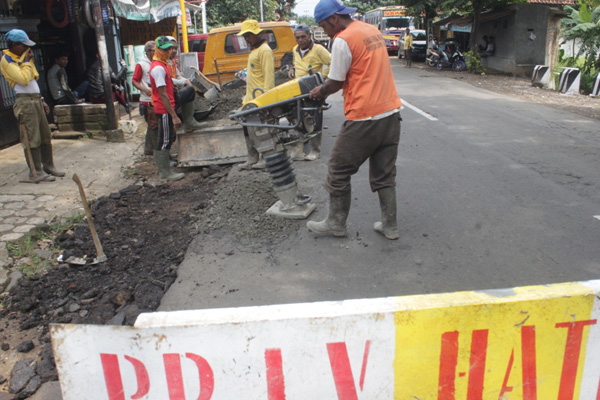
{"points": [[228, 53]]}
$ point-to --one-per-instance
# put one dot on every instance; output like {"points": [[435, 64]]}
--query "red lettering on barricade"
{"points": [[448, 361], [112, 376], [528, 362], [342, 372], [172, 363], [363, 370], [205, 375], [479, 341], [141, 374], [505, 387], [571, 358], [275, 381]]}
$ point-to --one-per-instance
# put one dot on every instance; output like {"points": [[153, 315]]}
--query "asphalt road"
{"points": [[493, 192]]}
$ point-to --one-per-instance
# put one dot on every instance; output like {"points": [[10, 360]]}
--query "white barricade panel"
{"points": [[569, 81], [538, 342], [541, 76], [596, 88]]}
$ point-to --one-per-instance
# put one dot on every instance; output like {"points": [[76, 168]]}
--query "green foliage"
{"points": [[583, 26], [307, 20], [473, 61], [25, 247], [228, 12], [284, 8], [368, 5]]}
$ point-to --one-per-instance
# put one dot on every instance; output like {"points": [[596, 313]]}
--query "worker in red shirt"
{"points": [[163, 100]]}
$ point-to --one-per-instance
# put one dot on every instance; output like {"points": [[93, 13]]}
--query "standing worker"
{"points": [[310, 58], [141, 81], [408, 44], [164, 106], [30, 109], [260, 73], [184, 92], [361, 67]]}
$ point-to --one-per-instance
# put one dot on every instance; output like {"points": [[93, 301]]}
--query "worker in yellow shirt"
{"points": [[310, 58], [408, 44], [30, 109], [260, 73]]}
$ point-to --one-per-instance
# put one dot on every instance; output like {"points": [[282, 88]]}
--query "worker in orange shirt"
{"points": [[360, 66]]}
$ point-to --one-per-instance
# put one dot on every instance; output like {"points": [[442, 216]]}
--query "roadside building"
{"points": [[525, 34]]}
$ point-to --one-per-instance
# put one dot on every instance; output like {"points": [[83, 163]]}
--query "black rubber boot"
{"points": [[252, 155], [335, 223], [388, 226], [40, 175], [164, 166], [47, 160]]}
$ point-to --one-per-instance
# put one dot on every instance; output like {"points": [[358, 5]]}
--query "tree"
{"points": [[367, 5], [228, 12], [284, 8], [583, 25]]}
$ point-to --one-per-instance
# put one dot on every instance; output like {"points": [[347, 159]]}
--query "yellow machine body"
{"points": [[285, 91]]}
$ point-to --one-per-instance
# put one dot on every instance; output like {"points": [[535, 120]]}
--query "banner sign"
{"points": [[146, 10], [394, 13], [539, 342]]}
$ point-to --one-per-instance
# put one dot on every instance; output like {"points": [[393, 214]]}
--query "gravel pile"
{"points": [[238, 207]]}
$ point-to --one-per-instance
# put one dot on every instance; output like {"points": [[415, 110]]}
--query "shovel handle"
{"points": [[88, 214]]}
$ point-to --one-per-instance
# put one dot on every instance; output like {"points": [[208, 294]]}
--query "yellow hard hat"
{"points": [[250, 25]]}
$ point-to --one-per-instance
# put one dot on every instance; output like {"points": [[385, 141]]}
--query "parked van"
{"points": [[231, 51]]}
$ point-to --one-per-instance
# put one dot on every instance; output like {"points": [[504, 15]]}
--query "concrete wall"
{"points": [[530, 20], [516, 53], [503, 30]]}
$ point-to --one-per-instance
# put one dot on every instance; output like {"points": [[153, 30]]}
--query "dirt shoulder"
{"points": [[521, 88]]}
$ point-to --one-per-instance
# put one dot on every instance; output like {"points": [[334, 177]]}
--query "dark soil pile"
{"points": [[144, 231], [230, 98]]}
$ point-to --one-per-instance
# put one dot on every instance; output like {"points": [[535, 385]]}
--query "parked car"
{"points": [[231, 51], [419, 44], [197, 44]]}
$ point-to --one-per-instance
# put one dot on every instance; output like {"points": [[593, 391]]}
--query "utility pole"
{"points": [[262, 17], [114, 134]]}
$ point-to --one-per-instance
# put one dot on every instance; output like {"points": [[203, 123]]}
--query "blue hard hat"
{"points": [[19, 36], [326, 8]]}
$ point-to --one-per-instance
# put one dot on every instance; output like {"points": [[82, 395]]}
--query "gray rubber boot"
{"points": [[261, 164], [48, 161], [335, 223], [189, 122], [315, 148], [151, 141], [388, 226], [37, 163], [296, 151], [252, 155], [164, 166]]}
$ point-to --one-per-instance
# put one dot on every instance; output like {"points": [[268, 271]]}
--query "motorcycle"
{"points": [[456, 61], [433, 57]]}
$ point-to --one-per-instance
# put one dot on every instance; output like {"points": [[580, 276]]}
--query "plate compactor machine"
{"points": [[274, 120]]}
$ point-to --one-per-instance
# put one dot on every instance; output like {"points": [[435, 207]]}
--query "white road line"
{"points": [[418, 110], [597, 216]]}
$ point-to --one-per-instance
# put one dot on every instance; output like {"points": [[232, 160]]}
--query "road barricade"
{"points": [[596, 88], [569, 81], [541, 76], [538, 342]]}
